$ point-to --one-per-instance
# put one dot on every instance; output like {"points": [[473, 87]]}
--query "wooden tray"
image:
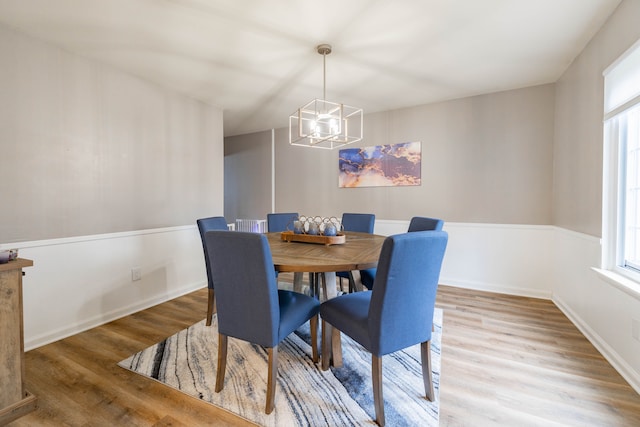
{"points": [[290, 236]]}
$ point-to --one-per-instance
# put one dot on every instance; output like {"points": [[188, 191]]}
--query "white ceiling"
{"points": [[257, 60]]}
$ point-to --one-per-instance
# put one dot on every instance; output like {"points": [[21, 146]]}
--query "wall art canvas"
{"points": [[381, 166]]}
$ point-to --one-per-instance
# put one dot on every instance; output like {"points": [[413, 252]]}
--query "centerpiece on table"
{"points": [[317, 229]]}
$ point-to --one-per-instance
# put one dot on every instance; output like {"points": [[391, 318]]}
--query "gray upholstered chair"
{"points": [[363, 223], [204, 225], [397, 313], [418, 223], [249, 305]]}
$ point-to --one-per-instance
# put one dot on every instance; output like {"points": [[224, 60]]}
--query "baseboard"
{"points": [[497, 288], [609, 353], [78, 283], [95, 321]]}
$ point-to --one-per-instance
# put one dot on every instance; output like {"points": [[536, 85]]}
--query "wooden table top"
{"points": [[359, 252]]}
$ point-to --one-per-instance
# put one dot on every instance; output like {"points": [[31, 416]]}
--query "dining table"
{"points": [[360, 251]]}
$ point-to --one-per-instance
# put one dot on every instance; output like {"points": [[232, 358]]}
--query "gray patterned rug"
{"points": [[306, 395]]}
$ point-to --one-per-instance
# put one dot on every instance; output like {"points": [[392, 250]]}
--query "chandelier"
{"points": [[322, 123]]}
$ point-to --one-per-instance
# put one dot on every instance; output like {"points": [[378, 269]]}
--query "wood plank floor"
{"points": [[506, 361]]}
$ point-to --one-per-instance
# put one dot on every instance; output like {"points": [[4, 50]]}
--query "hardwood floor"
{"points": [[506, 361], [514, 361]]}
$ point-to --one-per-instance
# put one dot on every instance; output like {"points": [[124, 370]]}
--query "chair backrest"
{"points": [[421, 223], [208, 224], [358, 222], [246, 288], [280, 221], [404, 292]]}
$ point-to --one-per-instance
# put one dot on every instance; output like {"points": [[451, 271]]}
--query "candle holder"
{"points": [[315, 229]]}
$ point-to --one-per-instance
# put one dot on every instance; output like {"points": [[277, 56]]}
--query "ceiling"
{"points": [[257, 59]]}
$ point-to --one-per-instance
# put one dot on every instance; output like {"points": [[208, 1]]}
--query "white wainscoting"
{"points": [[79, 283], [602, 311], [545, 262], [509, 259]]}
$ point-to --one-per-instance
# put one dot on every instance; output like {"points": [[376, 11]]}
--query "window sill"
{"points": [[626, 285]]}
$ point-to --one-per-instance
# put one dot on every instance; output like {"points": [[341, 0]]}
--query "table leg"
{"points": [[328, 281], [297, 282]]}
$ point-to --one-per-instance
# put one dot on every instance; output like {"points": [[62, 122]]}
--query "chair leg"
{"points": [[310, 284], [378, 400], [352, 283], [425, 354], [313, 285], [222, 361], [314, 338], [326, 345], [336, 348], [357, 281], [314, 279], [271, 379], [211, 306]]}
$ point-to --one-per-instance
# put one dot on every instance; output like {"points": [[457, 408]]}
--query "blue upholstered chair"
{"points": [[363, 223], [249, 305], [280, 221], [418, 223], [204, 225], [422, 223], [397, 313], [277, 222]]}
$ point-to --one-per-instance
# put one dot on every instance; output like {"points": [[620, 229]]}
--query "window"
{"points": [[631, 233], [628, 227], [621, 201]]}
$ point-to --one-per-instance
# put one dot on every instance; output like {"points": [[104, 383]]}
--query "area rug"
{"points": [[305, 395]]}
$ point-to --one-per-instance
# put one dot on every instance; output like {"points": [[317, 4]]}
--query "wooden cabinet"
{"points": [[15, 400]]}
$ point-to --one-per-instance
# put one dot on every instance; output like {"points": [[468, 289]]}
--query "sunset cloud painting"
{"points": [[381, 166]]}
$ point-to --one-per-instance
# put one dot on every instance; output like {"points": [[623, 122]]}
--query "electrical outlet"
{"points": [[136, 274]]}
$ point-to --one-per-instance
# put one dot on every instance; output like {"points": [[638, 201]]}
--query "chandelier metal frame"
{"points": [[325, 124]]}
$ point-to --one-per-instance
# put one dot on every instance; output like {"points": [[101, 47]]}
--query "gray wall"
{"points": [[247, 176], [529, 156], [577, 189], [85, 149], [484, 159]]}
